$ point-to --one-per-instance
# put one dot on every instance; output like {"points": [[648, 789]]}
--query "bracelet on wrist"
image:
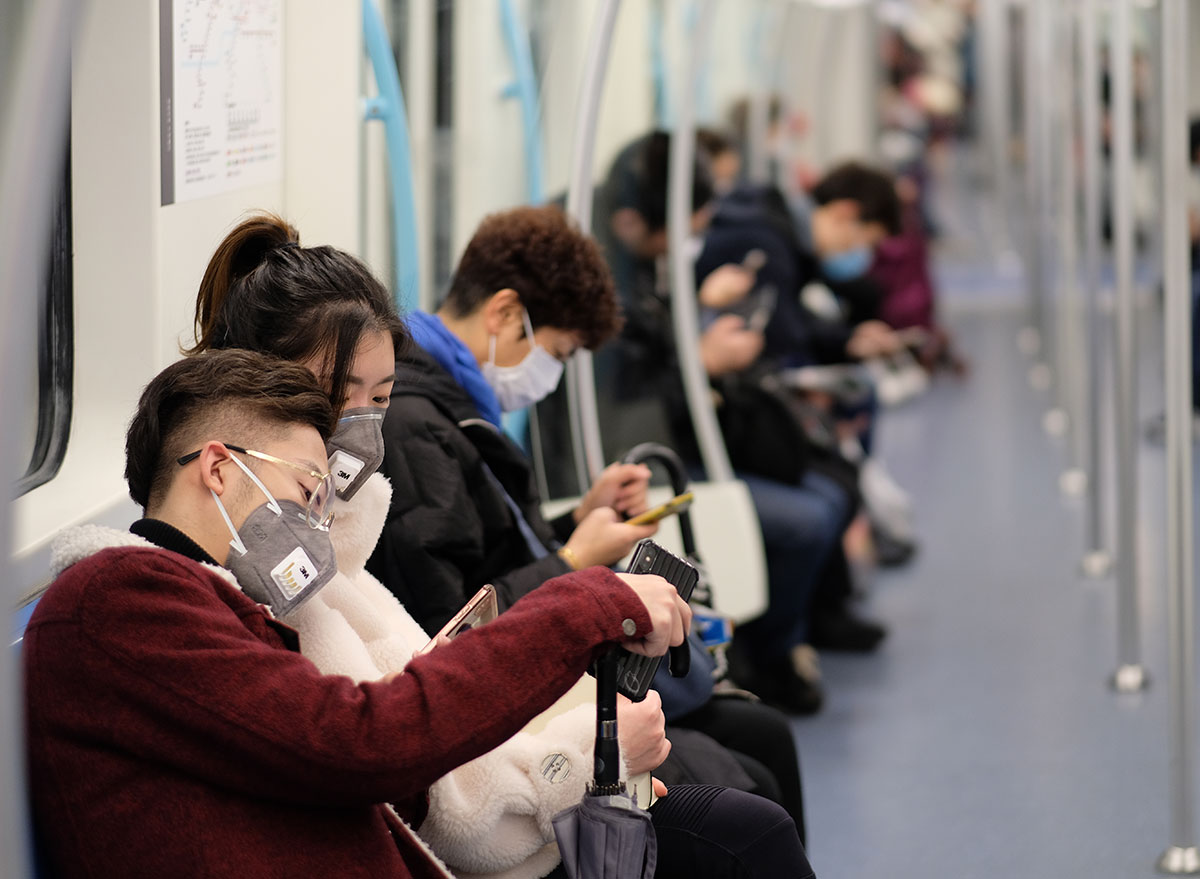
{"points": [[568, 555]]}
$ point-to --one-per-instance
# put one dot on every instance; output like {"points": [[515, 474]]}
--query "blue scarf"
{"points": [[456, 358]]}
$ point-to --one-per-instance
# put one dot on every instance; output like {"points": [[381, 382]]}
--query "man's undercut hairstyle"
{"points": [[559, 273], [232, 395], [639, 177], [262, 291], [872, 189]]}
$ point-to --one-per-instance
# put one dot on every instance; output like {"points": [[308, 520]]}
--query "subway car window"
{"points": [[49, 400]]}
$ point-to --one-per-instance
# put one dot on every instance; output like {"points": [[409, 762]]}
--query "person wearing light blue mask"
{"points": [[826, 237]]}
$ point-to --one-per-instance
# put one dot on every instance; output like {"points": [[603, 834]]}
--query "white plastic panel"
{"points": [[137, 264]]}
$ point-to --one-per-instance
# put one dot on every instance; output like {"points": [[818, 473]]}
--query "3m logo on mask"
{"points": [[345, 468], [294, 573]]}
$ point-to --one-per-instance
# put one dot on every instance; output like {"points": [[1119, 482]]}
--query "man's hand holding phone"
{"points": [[670, 616], [602, 538]]}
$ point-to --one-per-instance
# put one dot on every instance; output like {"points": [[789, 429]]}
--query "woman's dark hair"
{"points": [[558, 272], [264, 292], [232, 396], [873, 190]]}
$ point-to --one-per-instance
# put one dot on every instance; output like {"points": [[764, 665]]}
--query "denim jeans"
{"points": [[800, 525]]}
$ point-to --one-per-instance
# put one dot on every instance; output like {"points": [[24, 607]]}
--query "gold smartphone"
{"points": [[677, 504], [482, 608]]}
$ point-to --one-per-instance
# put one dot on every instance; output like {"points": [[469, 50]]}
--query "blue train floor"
{"points": [[982, 739]]}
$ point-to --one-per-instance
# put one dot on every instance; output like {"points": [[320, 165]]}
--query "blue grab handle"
{"points": [[388, 107], [524, 89]]}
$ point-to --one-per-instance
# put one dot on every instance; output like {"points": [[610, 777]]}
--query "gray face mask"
{"points": [[278, 558], [355, 450]]}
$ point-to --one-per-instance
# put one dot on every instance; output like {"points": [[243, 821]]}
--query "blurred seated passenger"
{"points": [[813, 247], [809, 292], [174, 728], [529, 290], [641, 388]]}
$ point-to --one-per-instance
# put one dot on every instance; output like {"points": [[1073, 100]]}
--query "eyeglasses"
{"points": [[320, 500]]}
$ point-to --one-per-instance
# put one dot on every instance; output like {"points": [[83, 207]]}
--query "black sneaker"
{"points": [[782, 688], [780, 683], [891, 552], [845, 632]]}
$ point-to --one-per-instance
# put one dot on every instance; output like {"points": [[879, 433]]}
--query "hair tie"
{"points": [[287, 244]]}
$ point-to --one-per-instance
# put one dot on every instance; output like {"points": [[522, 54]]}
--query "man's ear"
{"points": [[629, 227], [501, 309], [212, 455], [876, 233]]}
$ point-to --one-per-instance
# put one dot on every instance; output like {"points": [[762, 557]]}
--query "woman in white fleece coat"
{"points": [[490, 817]]}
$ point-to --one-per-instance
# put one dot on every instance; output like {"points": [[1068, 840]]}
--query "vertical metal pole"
{"points": [[997, 99], [1154, 119], [766, 52], [31, 136], [684, 317], [1073, 480], [1097, 561], [581, 380], [758, 121], [1051, 125], [1034, 89], [1130, 675], [1182, 856]]}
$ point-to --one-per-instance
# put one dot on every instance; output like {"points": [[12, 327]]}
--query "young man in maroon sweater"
{"points": [[174, 729]]}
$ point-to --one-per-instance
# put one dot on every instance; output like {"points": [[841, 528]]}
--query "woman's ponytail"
{"points": [[240, 254]]}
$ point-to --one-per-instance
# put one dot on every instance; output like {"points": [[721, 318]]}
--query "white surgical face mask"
{"points": [[529, 381]]}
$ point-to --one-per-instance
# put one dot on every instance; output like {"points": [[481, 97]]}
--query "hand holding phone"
{"points": [[482, 608]]}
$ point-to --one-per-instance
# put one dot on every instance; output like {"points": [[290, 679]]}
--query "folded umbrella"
{"points": [[606, 836]]}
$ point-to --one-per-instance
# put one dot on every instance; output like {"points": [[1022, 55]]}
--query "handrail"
{"points": [[581, 381], [770, 25], [1097, 560], [1130, 675], [31, 135], [684, 315], [1182, 854], [759, 110], [658, 66], [524, 88], [388, 108]]}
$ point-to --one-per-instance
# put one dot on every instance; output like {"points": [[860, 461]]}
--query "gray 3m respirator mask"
{"points": [[279, 559], [355, 450]]}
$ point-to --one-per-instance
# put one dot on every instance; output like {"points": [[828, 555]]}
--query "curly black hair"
{"points": [[558, 272]]}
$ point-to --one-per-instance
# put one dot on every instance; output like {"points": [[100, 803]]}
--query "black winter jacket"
{"points": [[450, 530]]}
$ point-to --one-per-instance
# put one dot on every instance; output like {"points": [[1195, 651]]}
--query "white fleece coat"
{"points": [[490, 817]]}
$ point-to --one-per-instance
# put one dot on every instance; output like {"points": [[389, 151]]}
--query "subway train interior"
{"points": [[907, 288]]}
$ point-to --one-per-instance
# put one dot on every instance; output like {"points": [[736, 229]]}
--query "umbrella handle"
{"points": [[608, 753], [646, 452]]}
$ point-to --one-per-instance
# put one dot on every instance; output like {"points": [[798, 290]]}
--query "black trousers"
{"points": [[707, 832], [760, 737]]}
